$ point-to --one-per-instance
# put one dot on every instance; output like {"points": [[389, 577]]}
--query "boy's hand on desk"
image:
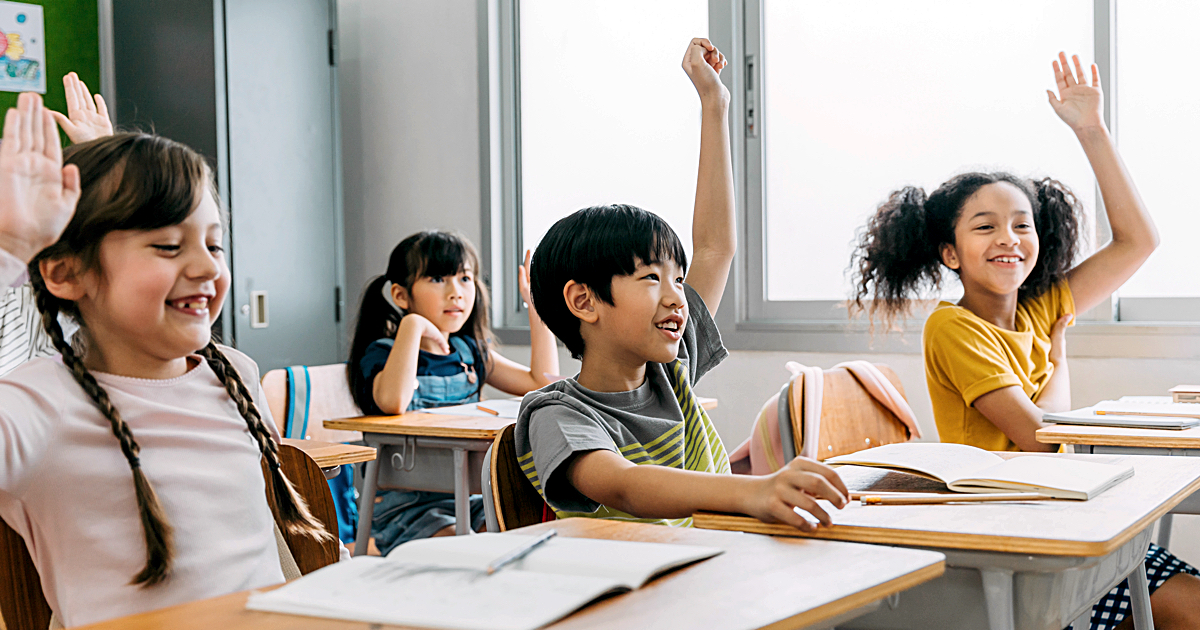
{"points": [[703, 64], [797, 485], [87, 116]]}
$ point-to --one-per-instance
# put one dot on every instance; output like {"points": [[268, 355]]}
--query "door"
{"points": [[283, 181]]}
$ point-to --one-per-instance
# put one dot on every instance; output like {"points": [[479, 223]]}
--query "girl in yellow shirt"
{"points": [[996, 361]]}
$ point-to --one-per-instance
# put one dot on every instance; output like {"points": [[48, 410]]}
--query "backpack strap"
{"points": [[299, 399], [466, 353]]}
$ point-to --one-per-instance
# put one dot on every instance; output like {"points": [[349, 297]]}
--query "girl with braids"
{"points": [[996, 361], [131, 464], [422, 340]]}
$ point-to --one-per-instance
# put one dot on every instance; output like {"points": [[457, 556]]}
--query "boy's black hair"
{"points": [[898, 257], [591, 246]]}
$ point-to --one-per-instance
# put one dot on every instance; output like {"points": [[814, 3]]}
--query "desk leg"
{"points": [[366, 507], [462, 494], [998, 593], [1139, 598], [1164, 530]]}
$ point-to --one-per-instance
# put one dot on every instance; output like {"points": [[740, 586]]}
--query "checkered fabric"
{"points": [[1114, 607]]}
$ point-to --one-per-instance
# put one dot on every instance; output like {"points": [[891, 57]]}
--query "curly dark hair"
{"points": [[898, 256]]}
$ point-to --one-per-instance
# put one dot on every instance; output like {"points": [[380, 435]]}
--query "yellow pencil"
{"points": [[929, 499]]}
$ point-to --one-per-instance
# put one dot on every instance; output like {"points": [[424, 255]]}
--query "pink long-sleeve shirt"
{"points": [[67, 490]]}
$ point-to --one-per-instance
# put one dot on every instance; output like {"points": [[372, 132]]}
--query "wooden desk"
{"points": [[1130, 441], [1074, 550], [759, 582], [333, 454], [427, 451]]}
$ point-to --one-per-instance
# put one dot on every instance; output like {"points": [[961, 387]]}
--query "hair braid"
{"points": [[159, 534], [293, 510]]}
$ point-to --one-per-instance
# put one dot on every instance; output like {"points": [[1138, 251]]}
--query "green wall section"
{"points": [[72, 43]]}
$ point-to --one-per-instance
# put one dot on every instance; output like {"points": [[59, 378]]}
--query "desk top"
{"points": [[1062, 528], [759, 582], [1119, 436], [330, 454], [439, 424]]}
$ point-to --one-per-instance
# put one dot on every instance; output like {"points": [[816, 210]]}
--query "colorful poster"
{"points": [[23, 61]]}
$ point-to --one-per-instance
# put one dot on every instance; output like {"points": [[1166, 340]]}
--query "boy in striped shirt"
{"points": [[625, 439]]}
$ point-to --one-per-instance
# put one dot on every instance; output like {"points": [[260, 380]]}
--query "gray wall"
{"points": [[411, 156]]}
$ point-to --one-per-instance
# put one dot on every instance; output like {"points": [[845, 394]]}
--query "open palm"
{"points": [[87, 115], [37, 194], [1078, 104]]}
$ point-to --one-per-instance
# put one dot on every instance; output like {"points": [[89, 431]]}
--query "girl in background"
{"points": [[423, 340], [996, 361]]}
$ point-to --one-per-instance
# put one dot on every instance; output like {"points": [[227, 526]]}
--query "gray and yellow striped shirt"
{"points": [[659, 423]]}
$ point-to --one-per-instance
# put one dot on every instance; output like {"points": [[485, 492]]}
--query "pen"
{"points": [[480, 407], [519, 552]]}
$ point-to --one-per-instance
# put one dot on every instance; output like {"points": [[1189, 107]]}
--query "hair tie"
{"points": [[135, 461], [387, 297]]}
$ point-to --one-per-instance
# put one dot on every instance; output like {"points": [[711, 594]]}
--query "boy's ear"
{"points": [[400, 296], [63, 278], [950, 256], [580, 301]]}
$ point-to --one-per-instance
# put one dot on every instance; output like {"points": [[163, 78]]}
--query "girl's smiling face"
{"points": [[996, 243], [447, 301], [155, 294]]}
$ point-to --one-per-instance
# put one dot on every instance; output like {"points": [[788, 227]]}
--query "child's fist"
{"points": [[798, 485], [703, 64]]}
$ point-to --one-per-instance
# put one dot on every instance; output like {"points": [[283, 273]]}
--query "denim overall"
{"points": [[401, 515]]}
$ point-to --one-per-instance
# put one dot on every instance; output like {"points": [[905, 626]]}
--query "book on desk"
{"points": [[443, 582], [968, 469]]}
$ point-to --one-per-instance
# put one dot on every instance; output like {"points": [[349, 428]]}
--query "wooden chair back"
{"points": [[310, 482], [851, 419], [302, 397], [22, 603], [517, 502]]}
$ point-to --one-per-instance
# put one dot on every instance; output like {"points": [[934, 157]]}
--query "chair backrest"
{"points": [[302, 397], [310, 482], [517, 503], [22, 603], [851, 419]]}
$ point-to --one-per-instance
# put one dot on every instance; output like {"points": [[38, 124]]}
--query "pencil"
{"points": [[519, 552], [480, 407], [929, 499]]}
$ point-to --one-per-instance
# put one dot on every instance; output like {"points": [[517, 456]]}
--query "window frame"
{"points": [[1116, 328]]}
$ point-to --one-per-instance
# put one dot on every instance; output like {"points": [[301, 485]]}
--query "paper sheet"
{"points": [[507, 408]]}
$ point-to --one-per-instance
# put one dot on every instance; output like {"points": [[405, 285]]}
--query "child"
{"points": [[997, 360], [423, 341], [141, 390], [609, 281]]}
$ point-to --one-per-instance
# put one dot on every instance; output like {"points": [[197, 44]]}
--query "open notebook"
{"points": [[968, 469], [441, 582]]}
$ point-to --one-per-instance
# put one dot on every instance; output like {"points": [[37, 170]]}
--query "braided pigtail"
{"points": [[293, 511], [896, 258], [159, 534]]}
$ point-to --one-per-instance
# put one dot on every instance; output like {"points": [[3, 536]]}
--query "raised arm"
{"points": [[87, 116], [714, 235], [37, 193], [1134, 236], [514, 378]]}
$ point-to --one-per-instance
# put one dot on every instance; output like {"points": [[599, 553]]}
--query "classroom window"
{"points": [[860, 99], [607, 114]]}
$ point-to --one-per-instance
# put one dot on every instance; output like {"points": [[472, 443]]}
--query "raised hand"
{"points": [[703, 64], [37, 193], [1078, 104], [523, 280], [87, 116]]}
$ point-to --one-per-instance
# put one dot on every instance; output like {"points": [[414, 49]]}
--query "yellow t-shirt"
{"points": [[967, 357]]}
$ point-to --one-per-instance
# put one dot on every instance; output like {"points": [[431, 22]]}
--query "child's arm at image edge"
{"points": [[1015, 414], [1134, 236], [512, 377], [714, 233], [661, 492]]}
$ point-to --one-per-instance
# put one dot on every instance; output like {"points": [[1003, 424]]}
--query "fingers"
{"points": [[1095, 76], [51, 147], [72, 92], [1068, 77], [25, 130], [12, 133], [102, 107], [1079, 76], [71, 183], [703, 43], [830, 486], [37, 126], [1054, 102]]}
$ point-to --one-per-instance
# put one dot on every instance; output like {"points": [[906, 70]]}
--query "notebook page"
{"points": [[1189, 410], [376, 590], [505, 408], [1055, 476], [630, 564], [943, 461]]}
